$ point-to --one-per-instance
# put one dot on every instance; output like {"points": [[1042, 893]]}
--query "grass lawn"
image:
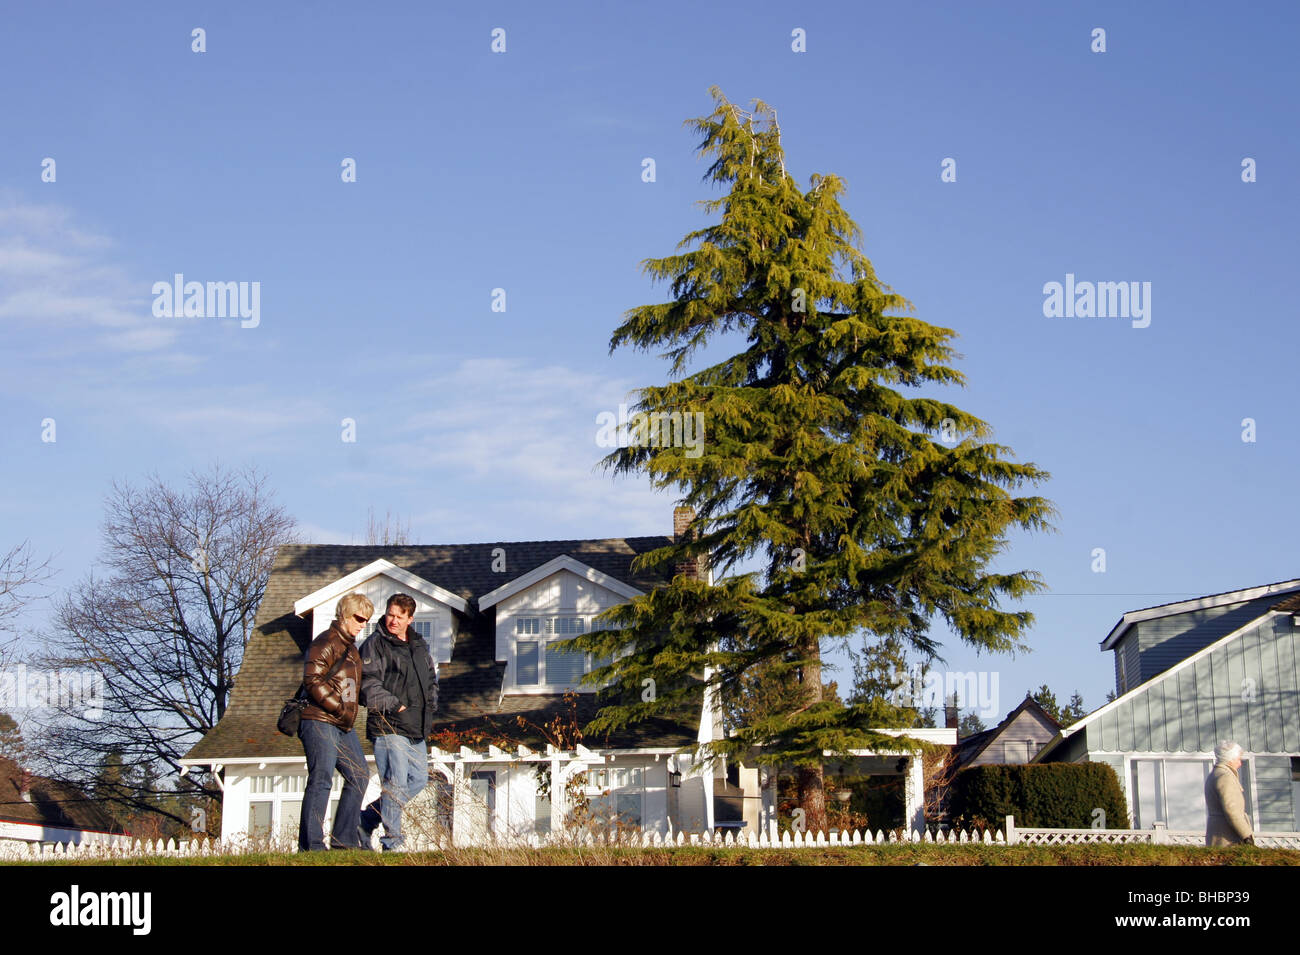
{"points": [[905, 854]]}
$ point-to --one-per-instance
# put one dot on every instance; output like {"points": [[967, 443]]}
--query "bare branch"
{"points": [[163, 634]]}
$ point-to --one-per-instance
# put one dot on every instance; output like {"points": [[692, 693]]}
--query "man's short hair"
{"points": [[402, 600], [1227, 751], [351, 604]]}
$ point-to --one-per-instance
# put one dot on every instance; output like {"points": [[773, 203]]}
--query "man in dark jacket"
{"points": [[399, 688], [333, 676]]}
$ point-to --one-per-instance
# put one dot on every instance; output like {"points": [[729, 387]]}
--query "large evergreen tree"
{"points": [[871, 512]]}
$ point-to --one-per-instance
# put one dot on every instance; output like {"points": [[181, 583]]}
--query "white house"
{"points": [[492, 613]]}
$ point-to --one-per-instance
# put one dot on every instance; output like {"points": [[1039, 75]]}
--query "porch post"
{"points": [[559, 804], [914, 795]]}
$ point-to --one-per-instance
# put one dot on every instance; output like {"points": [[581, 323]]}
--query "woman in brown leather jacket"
{"points": [[333, 677]]}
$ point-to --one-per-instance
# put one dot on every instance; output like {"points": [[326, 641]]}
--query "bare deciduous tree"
{"points": [[163, 634], [21, 578], [391, 531]]}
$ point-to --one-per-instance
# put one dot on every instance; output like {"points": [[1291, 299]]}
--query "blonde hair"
{"points": [[353, 603]]}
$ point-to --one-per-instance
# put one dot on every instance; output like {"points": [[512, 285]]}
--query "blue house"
{"points": [[1188, 674]]}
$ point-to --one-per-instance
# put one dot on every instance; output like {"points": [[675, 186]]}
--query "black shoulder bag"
{"points": [[291, 713]]}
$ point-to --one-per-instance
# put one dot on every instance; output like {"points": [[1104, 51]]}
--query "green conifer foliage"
{"points": [[870, 511]]}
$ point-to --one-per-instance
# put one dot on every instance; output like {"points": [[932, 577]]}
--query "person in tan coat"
{"points": [[1226, 822]]}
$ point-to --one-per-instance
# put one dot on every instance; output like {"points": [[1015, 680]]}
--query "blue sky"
{"points": [[522, 170]]}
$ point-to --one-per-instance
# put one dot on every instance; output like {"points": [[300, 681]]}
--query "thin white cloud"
{"points": [[316, 534], [55, 278], [519, 436]]}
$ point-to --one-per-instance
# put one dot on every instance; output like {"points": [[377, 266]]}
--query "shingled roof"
{"points": [[970, 747], [49, 802], [470, 683]]}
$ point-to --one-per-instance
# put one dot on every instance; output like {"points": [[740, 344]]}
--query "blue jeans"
{"points": [[403, 766], [329, 748]]}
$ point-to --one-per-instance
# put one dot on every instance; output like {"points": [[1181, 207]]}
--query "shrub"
{"points": [[1049, 795]]}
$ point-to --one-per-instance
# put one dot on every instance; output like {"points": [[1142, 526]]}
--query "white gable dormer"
{"points": [[553, 602], [378, 581]]}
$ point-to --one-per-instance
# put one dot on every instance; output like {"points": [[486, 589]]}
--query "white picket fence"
{"points": [[15, 852], [1013, 835]]}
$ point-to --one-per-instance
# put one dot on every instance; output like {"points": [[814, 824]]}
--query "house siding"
{"points": [[1286, 662], [1009, 746], [1245, 691], [1073, 750], [1274, 788], [1113, 760], [1248, 691], [1163, 643], [1116, 762], [1128, 648], [1161, 736], [564, 592]]}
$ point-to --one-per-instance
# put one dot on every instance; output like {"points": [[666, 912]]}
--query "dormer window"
{"points": [[539, 662], [378, 580], [539, 609]]}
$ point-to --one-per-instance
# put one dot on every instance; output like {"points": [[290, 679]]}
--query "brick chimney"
{"points": [[683, 517], [25, 786], [950, 718]]}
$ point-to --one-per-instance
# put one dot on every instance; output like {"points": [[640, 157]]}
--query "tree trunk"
{"points": [[812, 797], [812, 793]]}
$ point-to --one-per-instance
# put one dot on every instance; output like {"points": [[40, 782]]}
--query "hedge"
{"points": [[1048, 795]]}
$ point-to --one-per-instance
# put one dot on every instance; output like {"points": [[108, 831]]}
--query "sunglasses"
{"points": [[360, 619]]}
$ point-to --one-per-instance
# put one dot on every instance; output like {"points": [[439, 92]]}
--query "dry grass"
{"points": [[890, 855]]}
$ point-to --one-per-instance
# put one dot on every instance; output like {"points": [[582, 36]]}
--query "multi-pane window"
{"points": [[616, 795], [259, 818], [483, 799], [565, 668], [526, 670], [1172, 791], [538, 659], [277, 803], [542, 814]]}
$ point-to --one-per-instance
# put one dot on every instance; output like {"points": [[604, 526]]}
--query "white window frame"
{"points": [[545, 636], [1162, 801], [610, 791], [430, 619], [271, 788]]}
